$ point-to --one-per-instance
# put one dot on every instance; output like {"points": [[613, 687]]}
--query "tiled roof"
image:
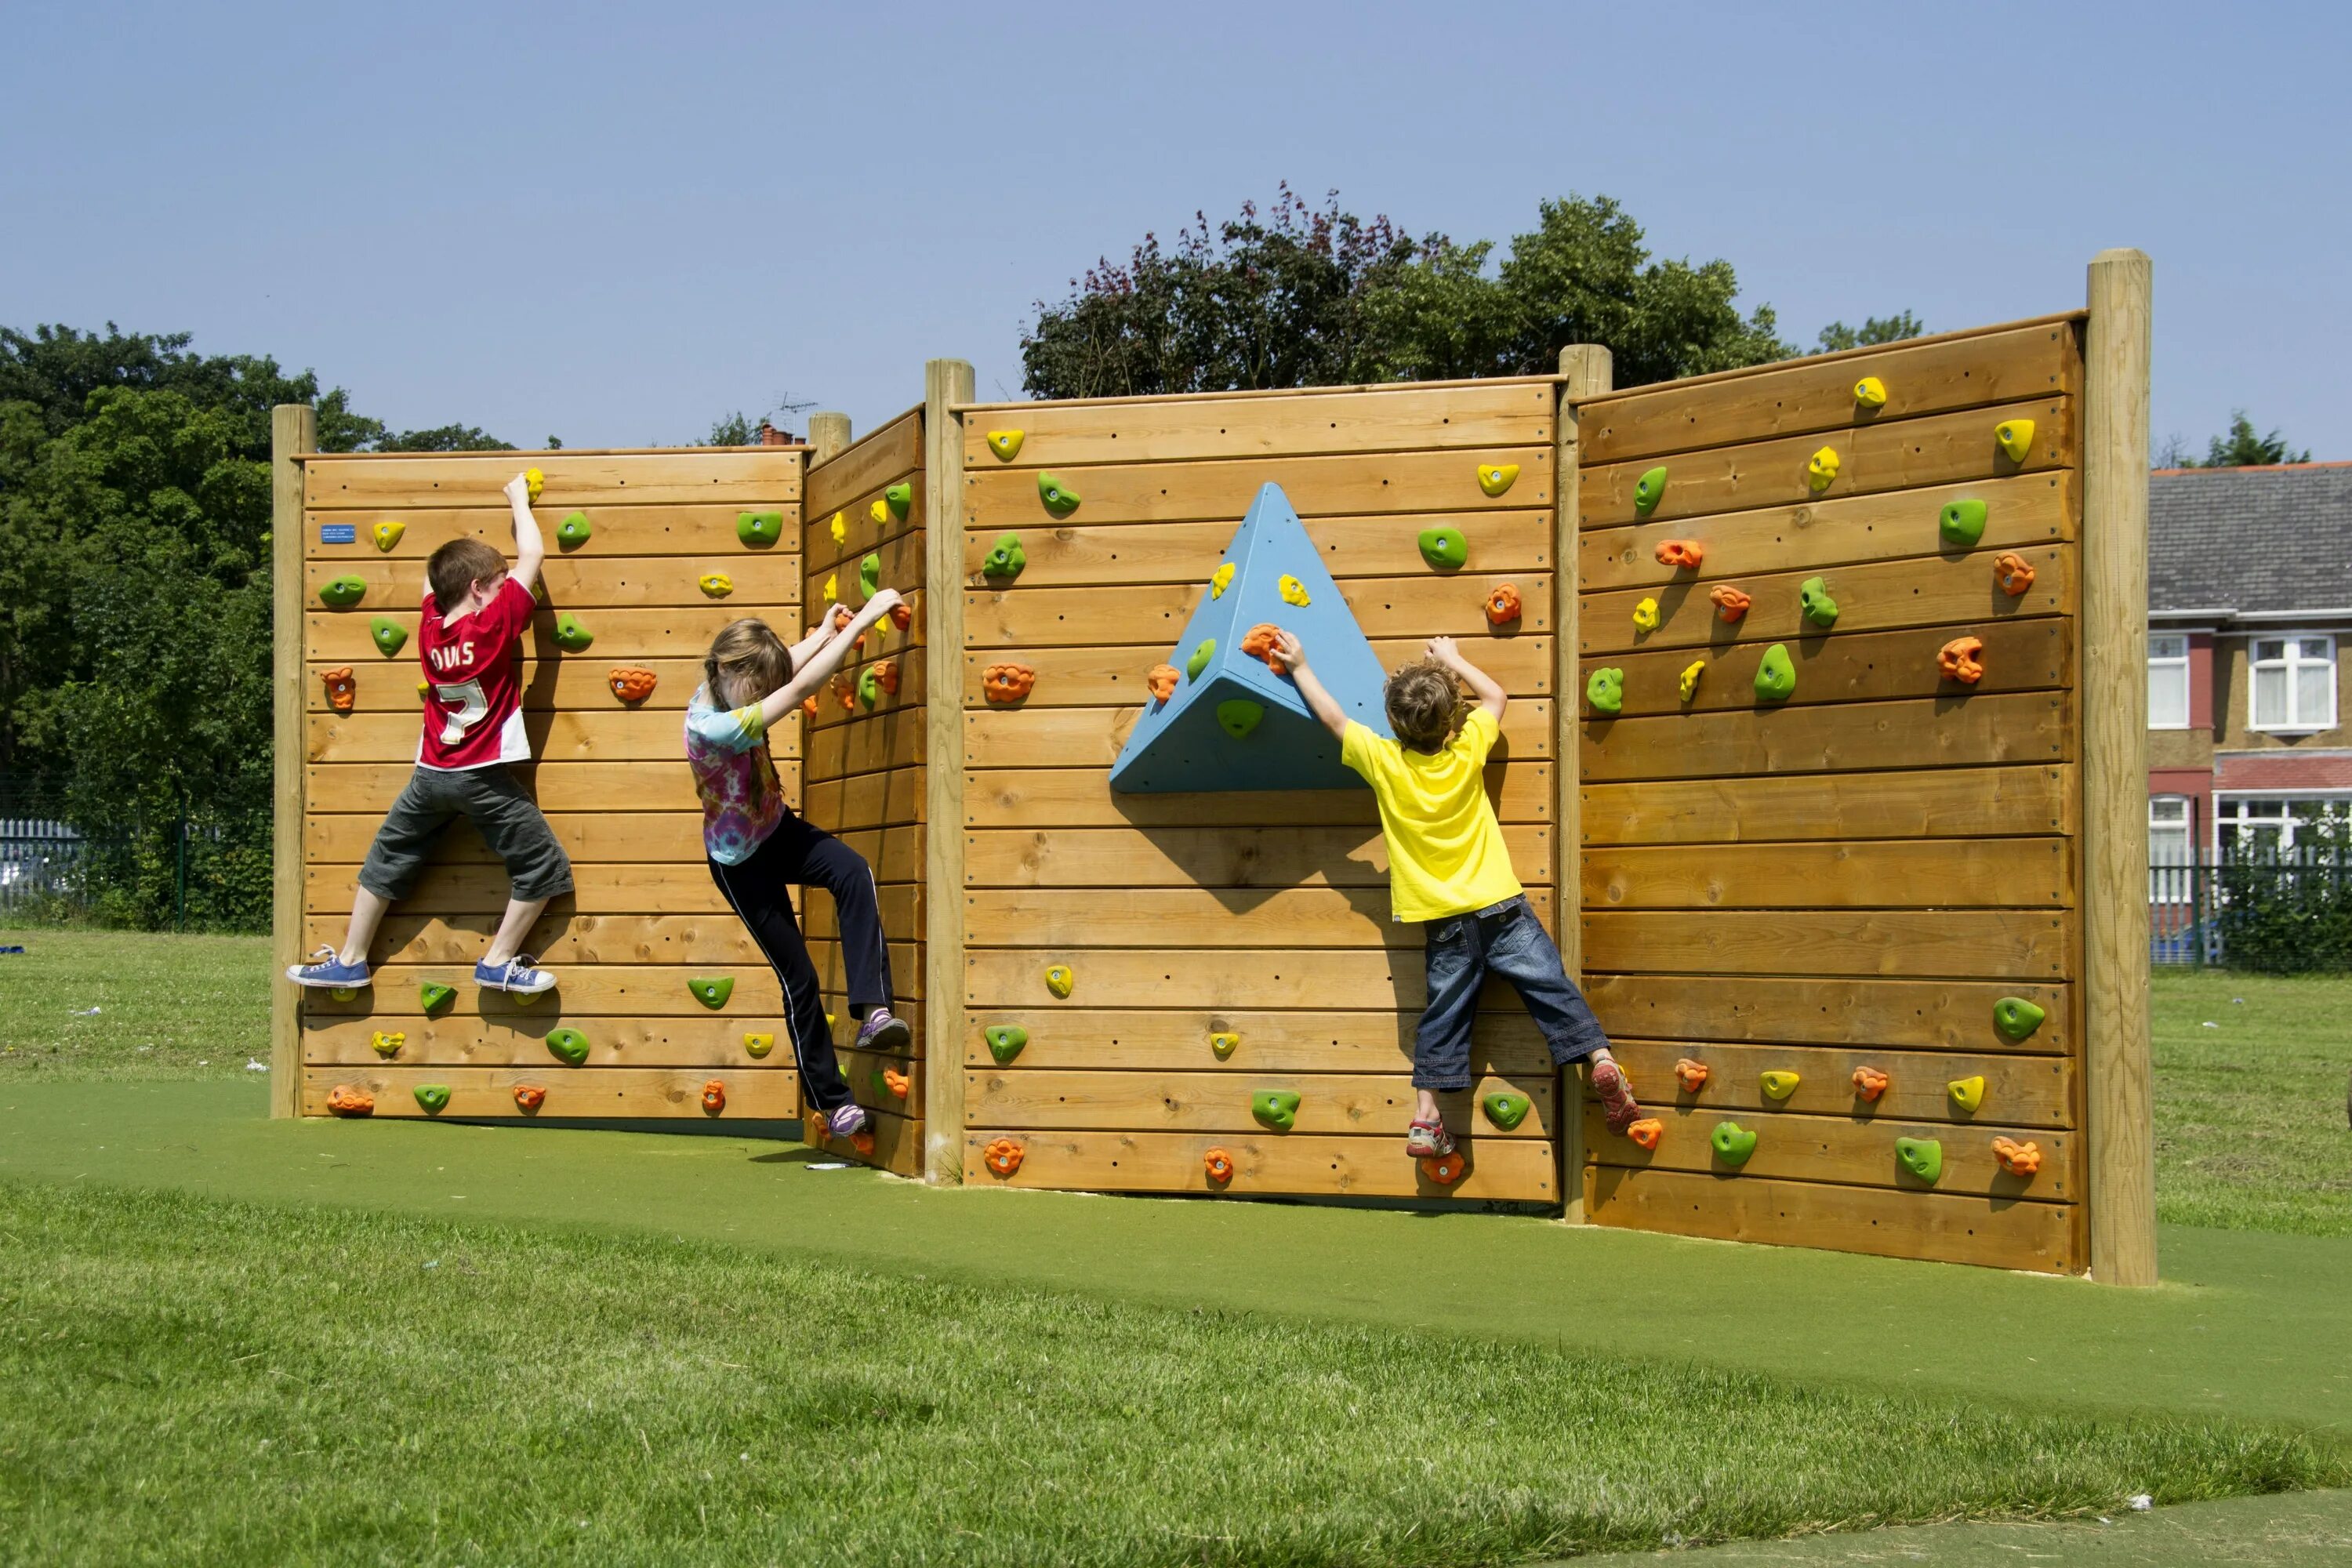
{"points": [[2250, 539]]}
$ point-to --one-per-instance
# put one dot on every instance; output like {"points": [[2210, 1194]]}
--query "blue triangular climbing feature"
{"points": [[1233, 724]]}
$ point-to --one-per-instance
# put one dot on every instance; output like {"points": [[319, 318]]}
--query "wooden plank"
{"points": [[597, 990], [370, 788], [902, 914], [1869, 667], [561, 941], [1949, 1229], [1960, 802], [519, 1039], [1091, 737], [1197, 917], [622, 637], [1922, 873], [584, 581], [907, 978], [487, 1093], [1065, 434], [913, 687], [2000, 944], [896, 856], [844, 1033], [897, 548], [1586, 370], [1291, 1041], [1071, 798], [884, 639], [1918, 1016], [1803, 396], [893, 739], [1265, 1164], [615, 734], [2028, 727], [863, 1069], [757, 479], [2020, 512], [1957, 591], [1379, 1105], [1939, 449], [1350, 547], [293, 431], [897, 1143], [1207, 857], [868, 800], [1387, 979], [1022, 616], [1113, 675], [1318, 487], [632, 531], [1833, 1148], [883, 456], [2019, 1090], [589, 837], [389, 686], [648, 889]]}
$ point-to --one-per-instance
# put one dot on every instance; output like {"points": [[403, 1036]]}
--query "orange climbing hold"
{"points": [[1003, 683], [342, 691], [1869, 1083], [1692, 1074], [886, 676], [1163, 681], [1002, 1156], [2014, 575], [1682, 554], [895, 1081], [2017, 1159], [1445, 1169], [527, 1097], [344, 1099], [1219, 1165], [841, 616], [1260, 643], [901, 614], [1646, 1131], [861, 1140], [1731, 604], [630, 684], [808, 705], [1958, 661], [1503, 605], [714, 1096], [846, 689]]}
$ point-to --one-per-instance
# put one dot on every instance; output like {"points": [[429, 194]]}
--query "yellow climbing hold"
{"points": [[1821, 468], [1968, 1093], [759, 1044], [1496, 478], [1777, 1084], [831, 587], [2016, 438], [718, 585], [1690, 678], [1224, 1045], [840, 529], [1293, 592], [343, 993], [534, 481], [387, 1045], [387, 534], [1645, 616], [879, 511], [1870, 392], [1058, 980], [1005, 443], [1220, 580]]}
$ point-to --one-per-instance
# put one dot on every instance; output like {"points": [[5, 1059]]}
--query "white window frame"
{"points": [[2228, 811], [2169, 660], [2299, 722], [2172, 881]]}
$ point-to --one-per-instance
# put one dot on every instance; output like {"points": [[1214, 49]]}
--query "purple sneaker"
{"points": [[881, 1032], [848, 1121]]}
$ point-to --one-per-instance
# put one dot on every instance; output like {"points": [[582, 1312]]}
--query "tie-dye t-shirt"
{"points": [[727, 749]]}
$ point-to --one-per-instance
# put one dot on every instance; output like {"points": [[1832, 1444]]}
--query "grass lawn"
{"points": [[121, 1004]]}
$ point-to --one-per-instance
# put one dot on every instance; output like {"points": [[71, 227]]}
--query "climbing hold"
{"points": [[433, 1097], [1645, 616], [1199, 660], [1218, 1167], [1869, 1083], [1822, 469], [570, 1045], [387, 1045], [1261, 643], [340, 993], [808, 706], [714, 1096], [1506, 1110], [528, 1096], [387, 534], [1293, 591], [534, 482], [342, 691], [1958, 660], [1776, 675], [390, 636], [861, 1140], [1238, 716], [1002, 1156], [1777, 1083], [1005, 443], [830, 1020], [1445, 1169], [758, 1045], [1691, 1075], [840, 529], [1646, 1131], [1648, 489], [432, 997], [1220, 580], [526, 998], [900, 498], [1276, 1108], [1968, 1093], [1731, 604], [832, 589], [1870, 392], [1732, 1142], [569, 635], [1059, 498], [1444, 548], [717, 584], [1813, 598], [1962, 524], [895, 1082], [344, 1099], [1004, 1041], [869, 686], [630, 684], [572, 532], [759, 528], [1503, 605], [2016, 438], [1496, 478], [1163, 681], [1923, 1157], [2012, 574], [712, 990], [1691, 672], [902, 615], [1682, 554], [2017, 1159], [845, 689], [1604, 691], [1058, 980], [1003, 683], [342, 592], [869, 576], [886, 675], [2017, 1018], [1224, 1045], [878, 513], [1006, 559]]}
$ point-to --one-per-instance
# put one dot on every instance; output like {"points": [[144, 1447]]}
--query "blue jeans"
{"points": [[1506, 940]]}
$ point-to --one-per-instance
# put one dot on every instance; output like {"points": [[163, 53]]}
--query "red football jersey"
{"points": [[473, 713]]}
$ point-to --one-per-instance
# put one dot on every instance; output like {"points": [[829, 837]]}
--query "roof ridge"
{"points": [[2253, 468]]}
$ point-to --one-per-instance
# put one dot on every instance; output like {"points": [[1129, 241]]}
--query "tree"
{"points": [[742, 430], [1837, 336], [2241, 448]]}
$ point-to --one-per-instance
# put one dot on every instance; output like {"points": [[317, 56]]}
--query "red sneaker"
{"points": [[1617, 1101]]}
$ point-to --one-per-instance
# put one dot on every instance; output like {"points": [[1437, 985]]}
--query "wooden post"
{"points": [[946, 381], [828, 436], [2113, 695], [293, 430], [1589, 370]]}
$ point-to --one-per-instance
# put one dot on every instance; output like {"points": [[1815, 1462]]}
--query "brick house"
{"points": [[2250, 605]]}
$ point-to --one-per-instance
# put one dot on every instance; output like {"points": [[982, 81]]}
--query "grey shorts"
{"points": [[509, 820]]}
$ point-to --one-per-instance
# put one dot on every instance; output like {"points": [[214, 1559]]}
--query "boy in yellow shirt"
{"points": [[1450, 869]]}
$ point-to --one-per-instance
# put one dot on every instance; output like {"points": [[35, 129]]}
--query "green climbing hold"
{"points": [[1923, 1157], [1776, 676], [1004, 1041], [1604, 691], [869, 575], [1506, 1110], [759, 527], [1445, 548], [390, 636], [432, 997], [869, 686], [1199, 660], [433, 1097], [712, 993], [569, 635], [900, 498], [1813, 596], [1059, 498], [1962, 524], [1732, 1142], [342, 592], [1276, 1108], [1006, 559], [1238, 717], [1648, 489], [2016, 1018], [574, 531], [570, 1045]]}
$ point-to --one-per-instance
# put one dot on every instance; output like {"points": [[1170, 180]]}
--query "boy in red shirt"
{"points": [[470, 639]]}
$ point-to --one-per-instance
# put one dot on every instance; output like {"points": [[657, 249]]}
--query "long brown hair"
{"points": [[749, 654]]}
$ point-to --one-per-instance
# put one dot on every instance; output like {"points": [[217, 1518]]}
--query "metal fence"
{"points": [[2267, 912], [43, 869], [171, 870]]}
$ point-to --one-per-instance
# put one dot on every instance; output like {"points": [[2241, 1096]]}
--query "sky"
{"points": [[616, 223]]}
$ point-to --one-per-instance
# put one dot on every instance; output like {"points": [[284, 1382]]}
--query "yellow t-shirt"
{"points": [[1447, 855]]}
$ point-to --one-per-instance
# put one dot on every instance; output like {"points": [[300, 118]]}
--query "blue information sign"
{"points": [[339, 534]]}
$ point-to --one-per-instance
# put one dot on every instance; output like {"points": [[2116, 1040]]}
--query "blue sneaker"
{"points": [[518, 974], [329, 972]]}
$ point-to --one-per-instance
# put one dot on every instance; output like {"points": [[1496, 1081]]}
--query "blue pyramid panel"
{"points": [[1180, 744]]}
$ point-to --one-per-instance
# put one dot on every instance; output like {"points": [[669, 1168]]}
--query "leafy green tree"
{"points": [[2241, 448], [1837, 336], [443, 438]]}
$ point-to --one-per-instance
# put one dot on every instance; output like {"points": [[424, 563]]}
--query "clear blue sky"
{"points": [[615, 222]]}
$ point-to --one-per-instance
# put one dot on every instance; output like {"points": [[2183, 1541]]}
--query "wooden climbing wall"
{"points": [[1262, 914], [611, 777], [865, 763], [1853, 878]]}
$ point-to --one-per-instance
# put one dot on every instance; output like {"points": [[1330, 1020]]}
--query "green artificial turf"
{"points": [[171, 1007], [195, 1380]]}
